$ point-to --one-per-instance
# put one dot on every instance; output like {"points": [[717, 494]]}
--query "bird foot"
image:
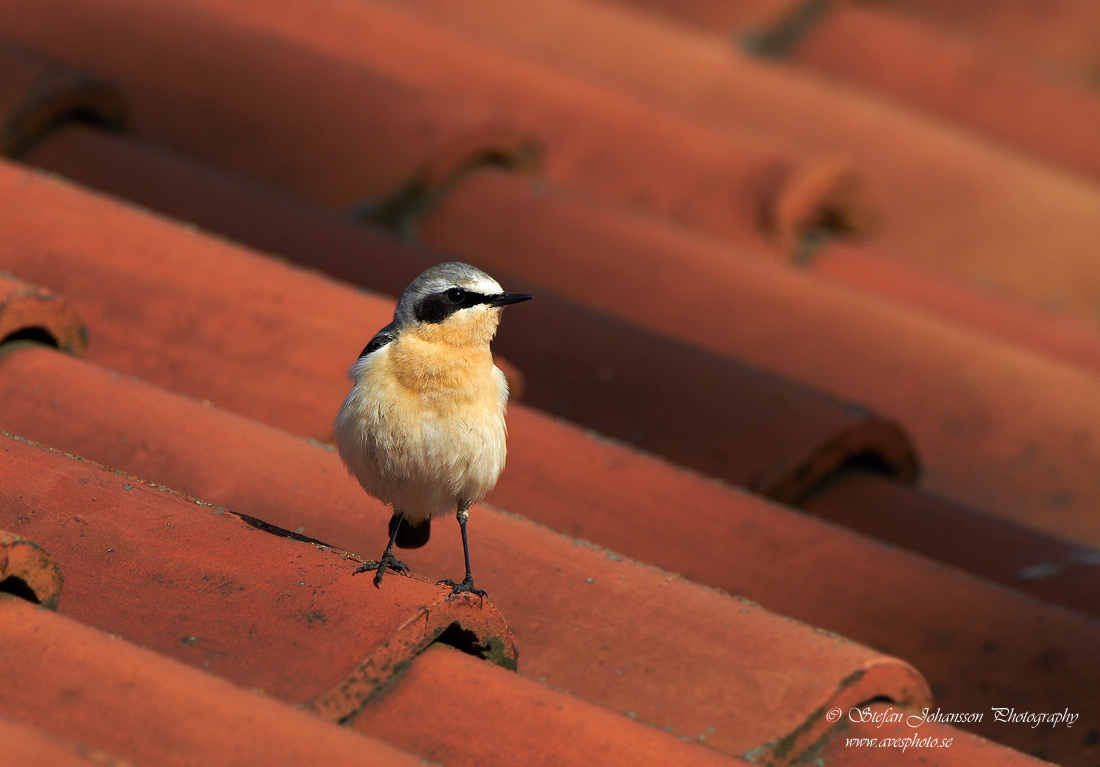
{"points": [[387, 561], [466, 587]]}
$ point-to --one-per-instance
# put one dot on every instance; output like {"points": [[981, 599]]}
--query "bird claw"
{"points": [[388, 561], [466, 587]]}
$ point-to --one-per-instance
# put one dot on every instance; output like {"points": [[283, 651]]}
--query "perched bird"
{"points": [[423, 427]]}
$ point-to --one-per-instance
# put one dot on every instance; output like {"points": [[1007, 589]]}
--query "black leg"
{"points": [[462, 519], [387, 559], [467, 585]]}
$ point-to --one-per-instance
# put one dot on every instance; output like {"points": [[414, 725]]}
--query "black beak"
{"points": [[503, 299]]}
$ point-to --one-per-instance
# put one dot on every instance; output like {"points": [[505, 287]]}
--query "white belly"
{"points": [[423, 452]]}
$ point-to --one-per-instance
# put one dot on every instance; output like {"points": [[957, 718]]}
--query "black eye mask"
{"points": [[436, 307]]}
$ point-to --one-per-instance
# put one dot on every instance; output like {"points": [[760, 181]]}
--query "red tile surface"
{"points": [[29, 312], [968, 84], [28, 570], [216, 634], [314, 329], [1048, 568], [37, 96], [912, 741], [30, 746], [739, 184], [146, 709], [320, 419], [255, 620], [980, 645], [221, 202], [957, 204], [641, 112], [823, 451], [714, 14], [575, 608], [99, 157], [1059, 35], [996, 427], [952, 201], [1006, 320], [725, 418], [555, 729], [226, 205], [189, 96], [715, 415]]}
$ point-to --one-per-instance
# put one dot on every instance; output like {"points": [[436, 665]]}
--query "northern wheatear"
{"points": [[423, 427]]}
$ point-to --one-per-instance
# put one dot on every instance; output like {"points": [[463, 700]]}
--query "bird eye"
{"points": [[455, 295]]}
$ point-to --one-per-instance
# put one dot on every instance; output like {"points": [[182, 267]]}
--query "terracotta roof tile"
{"points": [[503, 709], [979, 644], [995, 426], [924, 747], [771, 471], [147, 709], [716, 415], [958, 80], [1064, 278], [1056, 35], [645, 114], [574, 608], [37, 96], [1012, 321], [309, 329], [924, 170], [950, 200], [1046, 567], [31, 746], [275, 663], [734, 183], [517, 721], [786, 437], [232, 632], [28, 570], [29, 312], [253, 620], [590, 409], [577, 386], [335, 107], [224, 204], [712, 14]]}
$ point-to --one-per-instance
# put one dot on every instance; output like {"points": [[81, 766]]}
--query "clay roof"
{"points": [[801, 432]]}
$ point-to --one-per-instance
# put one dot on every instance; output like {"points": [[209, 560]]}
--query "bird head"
{"points": [[453, 303]]}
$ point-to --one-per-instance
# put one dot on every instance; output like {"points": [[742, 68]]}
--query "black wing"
{"points": [[410, 536], [381, 338]]}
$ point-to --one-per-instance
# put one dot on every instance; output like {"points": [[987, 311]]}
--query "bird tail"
{"points": [[410, 535]]}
